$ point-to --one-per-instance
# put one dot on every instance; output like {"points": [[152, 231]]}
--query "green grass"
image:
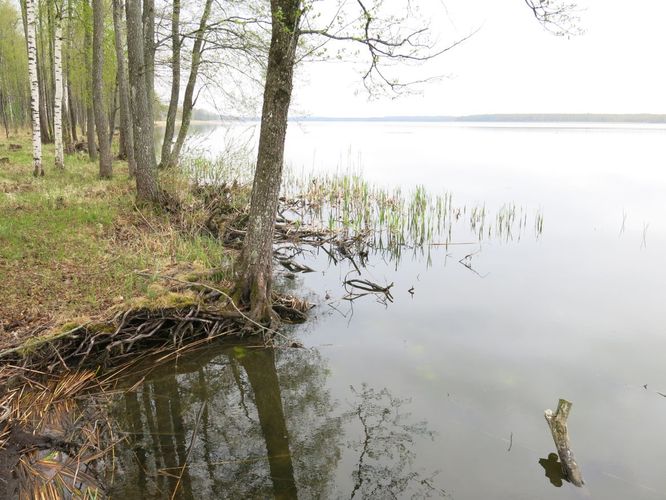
{"points": [[71, 243]]}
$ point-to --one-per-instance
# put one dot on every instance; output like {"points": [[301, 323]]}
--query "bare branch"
{"points": [[556, 16]]}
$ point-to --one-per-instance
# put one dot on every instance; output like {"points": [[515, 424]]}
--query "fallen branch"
{"points": [[368, 287], [558, 427]]}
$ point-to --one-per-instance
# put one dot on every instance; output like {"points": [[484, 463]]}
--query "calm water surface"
{"points": [[441, 393]]}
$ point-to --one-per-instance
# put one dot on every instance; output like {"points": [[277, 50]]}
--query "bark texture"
{"points": [[175, 85], [38, 168], [58, 98], [101, 124], [148, 19], [558, 427], [90, 113], [188, 99], [255, 280], [142, 120], [70, 94], [126, 132]]}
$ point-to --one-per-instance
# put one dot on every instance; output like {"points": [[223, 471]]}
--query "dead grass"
{"points": [[71, 243]]}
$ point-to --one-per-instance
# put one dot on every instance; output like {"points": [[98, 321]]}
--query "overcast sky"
{"points": [[512, 65]]}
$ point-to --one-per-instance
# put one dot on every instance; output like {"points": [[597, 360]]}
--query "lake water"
{"points": [[441, 393]]}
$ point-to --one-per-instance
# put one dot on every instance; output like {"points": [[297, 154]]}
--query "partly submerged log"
{"points": [[558, 427]]}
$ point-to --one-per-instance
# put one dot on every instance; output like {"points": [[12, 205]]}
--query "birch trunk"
{"points": [[57, 103], [101, 124], [126, 131], [142, 119], [256, 270], [175, 85], [188, 99], [38, 169]]}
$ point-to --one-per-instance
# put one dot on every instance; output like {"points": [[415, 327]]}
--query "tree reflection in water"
{"points": [[250, 422], [386, 448]]}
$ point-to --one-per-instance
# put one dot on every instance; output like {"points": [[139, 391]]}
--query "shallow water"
{"points": [[441, 393]]}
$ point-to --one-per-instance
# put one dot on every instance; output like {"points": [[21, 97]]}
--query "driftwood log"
{"points": [[558, 427]]}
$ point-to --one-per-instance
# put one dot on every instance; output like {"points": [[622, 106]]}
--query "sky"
{"points": [[512, 65]]}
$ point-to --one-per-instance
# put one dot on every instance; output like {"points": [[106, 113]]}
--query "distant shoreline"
{"points": [[545, 118], [502, 118]]}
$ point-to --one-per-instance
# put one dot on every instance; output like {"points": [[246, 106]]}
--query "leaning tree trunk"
{"points": [[188, 99], [101, 124], [142, 119], [175, 85], [38, 169], [255, 279], [57, 103], [126, 132]]}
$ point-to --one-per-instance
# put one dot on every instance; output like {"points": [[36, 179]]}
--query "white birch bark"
{"points": [[38, 169], [57, 103]]}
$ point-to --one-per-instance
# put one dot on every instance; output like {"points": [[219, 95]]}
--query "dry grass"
{"points": [[71, 243], [52, 446]]}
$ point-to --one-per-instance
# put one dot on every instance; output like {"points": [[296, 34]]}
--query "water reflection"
{"points": [[385, 448], [253, 422], [553, 469]]}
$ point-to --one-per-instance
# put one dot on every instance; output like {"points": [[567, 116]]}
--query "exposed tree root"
{"points": [[211, 316]]}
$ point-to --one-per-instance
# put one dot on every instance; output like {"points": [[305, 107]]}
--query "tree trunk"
{"points": [[142, 120], [43, 116], [126, 132], [148, 20], [38, 169], [57, 103], [175, 85], [43, 76], [49, 62], [255, 280], [70, 97], [188, 99], [105, 165], [67, 123], [90, 133], [90, 113], [3, 111], [112, 112]]}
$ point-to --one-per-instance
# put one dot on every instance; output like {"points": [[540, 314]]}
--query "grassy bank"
{"points": [[72, 246]]}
